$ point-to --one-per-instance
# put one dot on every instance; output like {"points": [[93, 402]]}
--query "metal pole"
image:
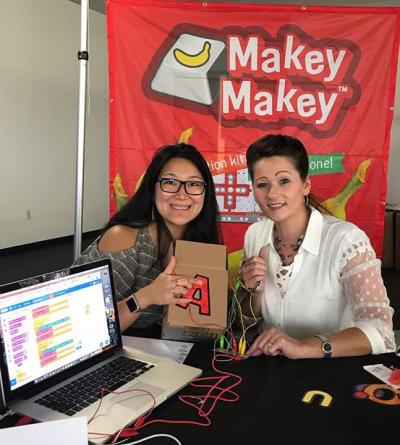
{"points": [[83, 57]]}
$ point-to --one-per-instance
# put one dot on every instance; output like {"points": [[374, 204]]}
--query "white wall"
{"points": [[38, 120]]}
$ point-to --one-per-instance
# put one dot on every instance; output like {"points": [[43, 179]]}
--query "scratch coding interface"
{"points": [[51, 326]]}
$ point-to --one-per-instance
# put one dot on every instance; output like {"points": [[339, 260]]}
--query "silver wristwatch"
{"points": [[326, 345]]}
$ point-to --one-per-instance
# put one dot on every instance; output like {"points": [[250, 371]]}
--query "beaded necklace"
{"points": [[287, 259]]}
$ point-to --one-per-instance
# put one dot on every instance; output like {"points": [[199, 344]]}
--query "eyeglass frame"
{"points": [[182, 183]]}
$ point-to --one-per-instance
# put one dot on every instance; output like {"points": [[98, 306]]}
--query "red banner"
{"points": [[222, 75]]}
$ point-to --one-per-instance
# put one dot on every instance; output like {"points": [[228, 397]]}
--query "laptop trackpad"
{"points": [[137, 395]]}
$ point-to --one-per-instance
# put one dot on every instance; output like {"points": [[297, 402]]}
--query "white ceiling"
{"points": [[98, 5]]}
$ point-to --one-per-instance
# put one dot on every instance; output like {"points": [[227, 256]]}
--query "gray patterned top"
{"points": [[133, 269]]}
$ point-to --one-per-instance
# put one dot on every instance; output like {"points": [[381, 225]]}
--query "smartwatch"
{"points": [[133, 304], [326, 346]]}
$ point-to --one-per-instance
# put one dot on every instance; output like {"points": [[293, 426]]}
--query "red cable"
{"points": [[104, 390], [217, 388], [216, 325], [186, 399], [141, 422]]}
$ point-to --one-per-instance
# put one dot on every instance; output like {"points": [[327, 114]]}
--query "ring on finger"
{"points": [[258, 286], [269, 344]]}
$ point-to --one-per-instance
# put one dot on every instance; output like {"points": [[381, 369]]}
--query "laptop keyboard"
{"points": [[84, 391]]}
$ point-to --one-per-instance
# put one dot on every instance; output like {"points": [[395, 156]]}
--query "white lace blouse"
{"points": [[335, 283]]}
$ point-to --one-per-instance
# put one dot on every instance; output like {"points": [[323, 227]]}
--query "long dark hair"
{"points": [[140, 210], [286, 146]]}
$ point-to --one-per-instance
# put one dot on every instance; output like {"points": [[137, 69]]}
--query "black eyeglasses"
{"points": [[171, 185]]}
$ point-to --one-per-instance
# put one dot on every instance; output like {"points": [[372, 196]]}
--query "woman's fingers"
{"points": [[269, 342], [167, 286], [256, 344], [182, 280], [254, 280], [180, 287], [252, 262], [255, 352], [264, 343], [254, 267], [176, 299], [188, 281], [254, 271], [274, 342], [179, 290]]}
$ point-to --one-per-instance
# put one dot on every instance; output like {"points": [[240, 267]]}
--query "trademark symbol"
{"points": [[342, 89]]}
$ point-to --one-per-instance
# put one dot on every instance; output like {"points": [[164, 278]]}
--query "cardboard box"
{"points": [[388, 240], [205, 317]]}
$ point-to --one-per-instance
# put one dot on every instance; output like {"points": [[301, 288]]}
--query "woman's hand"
{"points": [[167, 288], [274, 342], [253, 271]]}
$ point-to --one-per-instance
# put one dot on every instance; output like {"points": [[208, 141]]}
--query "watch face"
{"points": [[327, 348], [132, 305]]}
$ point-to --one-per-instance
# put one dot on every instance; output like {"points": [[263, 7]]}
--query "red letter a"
{"points": [[200, 296]]}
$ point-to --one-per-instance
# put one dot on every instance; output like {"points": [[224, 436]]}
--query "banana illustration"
{"points": [[337, 204], [193, 60], [185, 135], [120, 195], [362, 170]]}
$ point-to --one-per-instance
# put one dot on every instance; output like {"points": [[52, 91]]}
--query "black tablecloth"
{"points": [[271, 410]]}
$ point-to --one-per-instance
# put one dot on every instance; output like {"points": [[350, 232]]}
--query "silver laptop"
{"points": [[60, 343]]}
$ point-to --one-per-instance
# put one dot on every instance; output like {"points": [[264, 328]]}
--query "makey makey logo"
{"points": [[245, 76], [294, 78]]}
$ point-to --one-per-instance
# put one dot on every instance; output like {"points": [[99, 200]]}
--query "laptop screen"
{"points": [[52, 325]]}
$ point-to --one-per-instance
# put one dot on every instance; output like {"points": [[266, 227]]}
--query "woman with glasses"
{"points": [[175, 201]]}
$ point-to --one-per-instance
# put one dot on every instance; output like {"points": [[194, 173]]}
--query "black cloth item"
{"points": [[271, 411]]}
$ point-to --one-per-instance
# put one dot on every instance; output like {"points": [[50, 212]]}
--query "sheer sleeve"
{"points": [[365, 291]]}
